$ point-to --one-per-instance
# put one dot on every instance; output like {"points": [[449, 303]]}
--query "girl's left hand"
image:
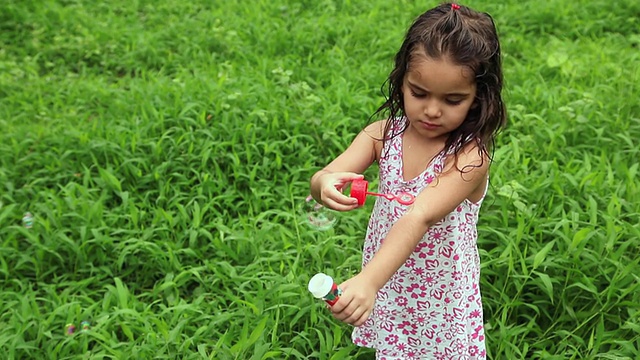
{"points": [[356, 302]]}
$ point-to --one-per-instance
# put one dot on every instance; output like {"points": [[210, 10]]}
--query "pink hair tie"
{"points": [[455, 7]]}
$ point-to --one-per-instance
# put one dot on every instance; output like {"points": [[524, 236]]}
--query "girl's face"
{"points": [[437, 95]]}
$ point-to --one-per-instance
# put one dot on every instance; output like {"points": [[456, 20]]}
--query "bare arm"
{"points": [[431, 205], [327, 184]]}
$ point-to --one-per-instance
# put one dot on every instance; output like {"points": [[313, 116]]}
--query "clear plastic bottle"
{"points": [[323, 287]]}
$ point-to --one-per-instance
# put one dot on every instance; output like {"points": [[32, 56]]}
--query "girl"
{"points": [[417, 296]]}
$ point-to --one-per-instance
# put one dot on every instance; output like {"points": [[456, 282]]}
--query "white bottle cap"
{"points": [[320, 285]]}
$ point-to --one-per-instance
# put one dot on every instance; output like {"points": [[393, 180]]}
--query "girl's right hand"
{"points": [[331, 186]]}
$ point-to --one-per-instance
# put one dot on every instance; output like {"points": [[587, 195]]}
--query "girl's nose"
{"points": [[432, 109]]}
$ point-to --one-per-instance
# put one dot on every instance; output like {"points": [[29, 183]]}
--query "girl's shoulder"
{"points": [[376, 129], [377, 132], [470, 156]]}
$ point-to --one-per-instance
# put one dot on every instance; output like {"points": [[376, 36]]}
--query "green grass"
{"points": [[164, 148]]}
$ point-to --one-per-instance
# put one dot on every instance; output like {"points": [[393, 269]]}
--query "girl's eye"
{"points": [[415, 94], [454, 102]]}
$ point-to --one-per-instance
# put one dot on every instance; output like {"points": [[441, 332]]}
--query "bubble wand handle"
{"points": [[323, 287], [360, 190], [386, 196]]}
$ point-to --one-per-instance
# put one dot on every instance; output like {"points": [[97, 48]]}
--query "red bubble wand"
{"points": [[360, 187]]}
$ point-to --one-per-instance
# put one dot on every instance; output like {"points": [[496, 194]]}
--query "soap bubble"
{"points": [[317, 216], [27, 220], [85, 326], [69, 329]]}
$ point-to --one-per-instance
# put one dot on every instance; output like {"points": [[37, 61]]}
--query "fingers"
{"points": [[347, 176], [344, 204], [356, 317], [351, 311], [331, 193], [362, 319], [338, 308]]}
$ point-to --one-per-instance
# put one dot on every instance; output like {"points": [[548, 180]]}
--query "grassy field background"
{"points": [[164, 148]]}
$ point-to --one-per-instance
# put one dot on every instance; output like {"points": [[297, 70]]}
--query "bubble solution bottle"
{"points": [[323, 287]]}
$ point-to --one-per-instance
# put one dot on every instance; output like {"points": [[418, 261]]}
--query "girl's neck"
{"points": [[417, 153], [411, 139]]}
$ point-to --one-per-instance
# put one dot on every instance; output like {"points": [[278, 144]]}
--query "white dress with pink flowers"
{"points": [[431, 307]]}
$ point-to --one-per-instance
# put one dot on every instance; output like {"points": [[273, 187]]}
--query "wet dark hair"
{"points": [[466, 38]]}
